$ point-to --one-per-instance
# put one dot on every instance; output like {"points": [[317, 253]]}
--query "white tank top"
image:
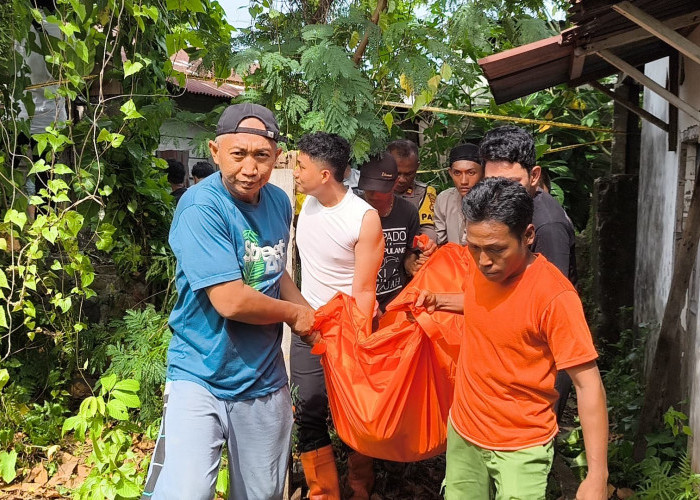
{"points": [[326, 238]]}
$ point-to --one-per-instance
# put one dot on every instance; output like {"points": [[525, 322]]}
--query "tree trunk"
{"points": [[357, 57], [664, 385]]}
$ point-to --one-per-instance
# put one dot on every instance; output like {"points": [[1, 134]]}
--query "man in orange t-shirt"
{"points": [[523, 322]]}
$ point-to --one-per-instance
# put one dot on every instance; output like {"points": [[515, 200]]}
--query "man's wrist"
{"points": [[596, 474]]}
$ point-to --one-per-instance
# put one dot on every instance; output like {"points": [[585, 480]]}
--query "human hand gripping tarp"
{"points": [[390, 391]]}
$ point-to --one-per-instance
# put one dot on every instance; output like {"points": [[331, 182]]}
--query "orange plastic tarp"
{"points": [[390, 391]]}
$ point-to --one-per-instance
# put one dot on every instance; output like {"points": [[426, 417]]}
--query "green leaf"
{"points": [[151, 12], [3, 280], [117, 140], [8, 462], [16, 217], [39, 166], [62, 169], [4, 378], [50, 234], [174, 42], [132, 206], [354, 39], [129, 399], [74, 222], [434, 83], [389, 120], [580, 460], [117, 409], [127, 385], [127, 488], [69, 28], [222, 483], [64, 304], [104, 136], [82, 50], [79, 9], [541, 149], [3, 319], [129, 110], [185, 5], [69, 424], [36, 14], [446, 71], [419, 103], [108, 382], [131, 67]]}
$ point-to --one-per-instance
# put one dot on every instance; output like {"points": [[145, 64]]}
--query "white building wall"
{"points": [[658, 184], [179, 136], [658, 175]]}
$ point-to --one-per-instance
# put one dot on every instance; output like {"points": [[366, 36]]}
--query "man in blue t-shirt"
{"points": [[226, 377]]}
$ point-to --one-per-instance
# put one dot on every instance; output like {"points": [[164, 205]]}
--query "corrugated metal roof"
{"points": [[202, 82], [570, 57], [226, 90]]}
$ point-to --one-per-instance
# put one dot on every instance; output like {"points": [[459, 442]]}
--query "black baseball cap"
{"points": [[378, 174], [469, 152], [236, 113]]}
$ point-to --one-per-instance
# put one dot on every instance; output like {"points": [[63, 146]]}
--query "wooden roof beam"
{"points": [[650, 84], [659, 30], [577, 62], [638, 34], [627, 104]]}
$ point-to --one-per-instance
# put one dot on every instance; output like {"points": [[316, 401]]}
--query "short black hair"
{"points": [[202, 169], [176, 171], [508, 143], [500, 200], [403, 148], [331, 149]]}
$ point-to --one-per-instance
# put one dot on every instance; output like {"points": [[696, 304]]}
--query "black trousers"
{"points": [[309, 397]]}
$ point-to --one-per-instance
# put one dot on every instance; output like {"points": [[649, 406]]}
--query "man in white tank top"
{"points": [[341, 246]]}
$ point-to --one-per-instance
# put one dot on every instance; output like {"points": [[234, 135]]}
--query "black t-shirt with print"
{"points": [[399, 228]]}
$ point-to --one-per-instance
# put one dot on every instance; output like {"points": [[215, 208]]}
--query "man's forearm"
{"points": [[290, 292], [450, 302], [365, 301], [593, 414], [239, 302]]}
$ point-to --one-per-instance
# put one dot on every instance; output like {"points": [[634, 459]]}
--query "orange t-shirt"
{"points": [[516, 338]]}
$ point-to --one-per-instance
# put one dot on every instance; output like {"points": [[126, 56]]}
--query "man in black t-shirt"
{"points": [[400, 224], [176, 178]]}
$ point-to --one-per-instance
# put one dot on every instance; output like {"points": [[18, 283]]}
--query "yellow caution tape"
{"points": [[92, 77], [59, 82], [574, 146], [515, 119]]}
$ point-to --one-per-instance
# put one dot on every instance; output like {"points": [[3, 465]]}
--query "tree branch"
{"points": [[357, 57]]}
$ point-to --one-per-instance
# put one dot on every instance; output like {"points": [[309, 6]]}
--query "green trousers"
{"points": [[479, 474]]}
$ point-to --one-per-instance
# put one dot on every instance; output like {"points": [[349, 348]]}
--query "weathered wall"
{"points": [[658, 184], [177, 135], [658, 175]]}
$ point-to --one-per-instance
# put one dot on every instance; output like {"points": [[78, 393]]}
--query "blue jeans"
{"points": [[195, 427]]}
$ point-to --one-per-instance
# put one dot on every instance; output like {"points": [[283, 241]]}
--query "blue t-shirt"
{"points": [[217, 238]]}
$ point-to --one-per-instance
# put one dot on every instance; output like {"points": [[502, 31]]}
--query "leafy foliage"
{"points": [[84, 195], [140, 345], [115, 473], [665, 472]]}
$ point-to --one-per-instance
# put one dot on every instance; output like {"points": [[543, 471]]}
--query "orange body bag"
{"points": [[390, 391]]}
